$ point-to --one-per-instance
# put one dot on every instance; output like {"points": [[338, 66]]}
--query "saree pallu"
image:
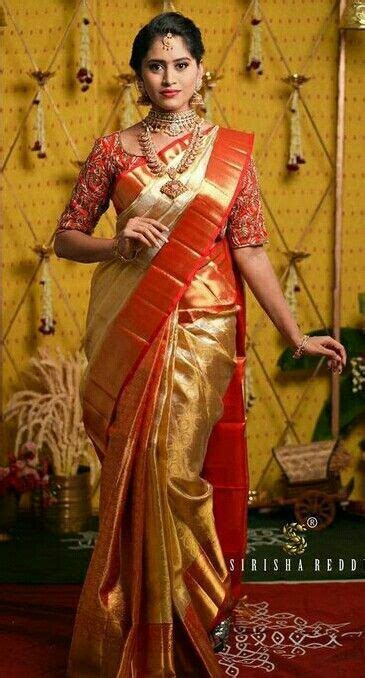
{"points": [[163, 404]]}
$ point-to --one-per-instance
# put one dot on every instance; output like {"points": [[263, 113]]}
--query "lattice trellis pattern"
{"points": [[296, 37]]}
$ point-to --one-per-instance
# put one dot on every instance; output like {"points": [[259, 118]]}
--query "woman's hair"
{"points": [[172, 22]]}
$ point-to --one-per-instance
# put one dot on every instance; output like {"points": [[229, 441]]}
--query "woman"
{"points": [[162, 394]]}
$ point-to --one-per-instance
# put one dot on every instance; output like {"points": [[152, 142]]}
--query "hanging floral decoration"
{"points": [[47, 325], [357, 373], [40, 137], [84, 74], [292, 286], [127, 114], [25, 473], [209, 82], [255, 52], [296, 157], [39, 146]]}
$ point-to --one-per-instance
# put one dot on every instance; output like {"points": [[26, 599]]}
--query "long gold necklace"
{"points": [[174, 186]]}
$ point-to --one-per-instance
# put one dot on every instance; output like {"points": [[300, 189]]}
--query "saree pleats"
{"points": [[161, 547], [158, 579]]}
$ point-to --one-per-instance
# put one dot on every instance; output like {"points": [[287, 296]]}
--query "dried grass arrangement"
{"points": [[50, 414]]}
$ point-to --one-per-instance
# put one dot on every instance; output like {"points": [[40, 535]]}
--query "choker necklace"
{"points": [[170, 122]]}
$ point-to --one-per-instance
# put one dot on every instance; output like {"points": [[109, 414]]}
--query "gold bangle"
{"points": [[298, 352], [118, 254]]}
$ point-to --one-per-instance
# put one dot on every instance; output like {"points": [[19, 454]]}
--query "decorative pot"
{"points": [[72, 512], [8, 514]]}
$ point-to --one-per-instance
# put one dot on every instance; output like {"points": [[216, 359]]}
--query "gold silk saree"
{"points": [[163, 404]]}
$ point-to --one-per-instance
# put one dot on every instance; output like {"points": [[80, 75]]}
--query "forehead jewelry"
{"points": [[167, 41]]}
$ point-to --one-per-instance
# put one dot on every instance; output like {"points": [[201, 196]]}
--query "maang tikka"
{"points": [[167, 41]]}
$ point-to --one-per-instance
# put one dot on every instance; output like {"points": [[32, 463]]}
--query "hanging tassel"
{"points": [[84, 74], [295, 150], [249, 388], [296, 157], [41, 78], [38, 128], [255, 52], [47, 325]]}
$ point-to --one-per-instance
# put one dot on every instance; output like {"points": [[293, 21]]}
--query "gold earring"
{"points": [[197, 100], [143, 99]]}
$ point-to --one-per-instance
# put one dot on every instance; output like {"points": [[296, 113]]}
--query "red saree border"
{"points": [[132, 332], [226, 462]]}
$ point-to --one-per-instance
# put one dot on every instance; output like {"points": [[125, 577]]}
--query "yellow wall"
{"points": [[36, 190]]}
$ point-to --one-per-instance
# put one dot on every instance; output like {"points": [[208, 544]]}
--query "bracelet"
{"points": [[119, 255], [300, 348]]}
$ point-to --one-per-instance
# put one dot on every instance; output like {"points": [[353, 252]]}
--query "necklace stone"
{"points": [[174, 129]]}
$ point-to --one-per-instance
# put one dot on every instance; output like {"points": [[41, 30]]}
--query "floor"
{"points": [[282, 629]]}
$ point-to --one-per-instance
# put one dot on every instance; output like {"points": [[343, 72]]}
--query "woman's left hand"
{"points": [[330, 347]]}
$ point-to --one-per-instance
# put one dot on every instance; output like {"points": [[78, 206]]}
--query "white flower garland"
{"points": [[255, 57], [48, 323]]}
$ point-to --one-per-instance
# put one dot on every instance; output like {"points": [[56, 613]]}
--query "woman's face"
{"points": [[174, 69]]}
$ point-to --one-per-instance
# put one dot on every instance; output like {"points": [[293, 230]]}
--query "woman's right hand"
{"points": [[145, 230]]}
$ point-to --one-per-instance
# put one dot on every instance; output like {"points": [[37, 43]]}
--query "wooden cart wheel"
{"points": [[314, 504]]}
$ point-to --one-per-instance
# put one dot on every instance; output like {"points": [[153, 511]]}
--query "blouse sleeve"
{"points": [[246, 225], [91, 194]]}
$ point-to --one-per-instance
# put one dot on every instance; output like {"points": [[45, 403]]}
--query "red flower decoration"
{"points": [[23, 474]]}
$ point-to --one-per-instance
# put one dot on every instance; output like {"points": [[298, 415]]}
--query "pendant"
{"points": [[173, 130], [173, 188]]}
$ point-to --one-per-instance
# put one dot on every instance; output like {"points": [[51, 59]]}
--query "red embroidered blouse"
{"points": [[93, 190]]}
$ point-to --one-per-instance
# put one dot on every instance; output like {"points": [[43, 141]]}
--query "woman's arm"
{"points": [[78, 246], [89, 200], [256, 269], [246, 234], [82, 247]]}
